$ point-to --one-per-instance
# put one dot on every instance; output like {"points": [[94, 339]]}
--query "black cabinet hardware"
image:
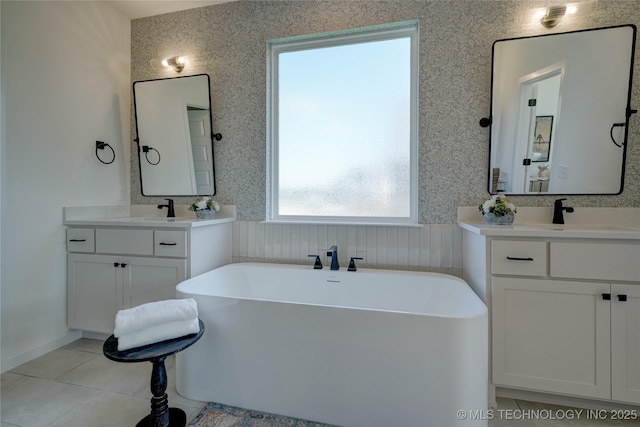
{"points": [[513, 258]]}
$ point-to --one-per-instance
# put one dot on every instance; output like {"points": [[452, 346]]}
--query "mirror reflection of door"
{"points": [[200, 132], [540, 99]]}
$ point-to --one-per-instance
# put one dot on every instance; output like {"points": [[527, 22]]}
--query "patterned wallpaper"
{"points": [[228, 42]]}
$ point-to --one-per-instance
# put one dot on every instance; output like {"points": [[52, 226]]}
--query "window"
{"points": [[343, 127]]}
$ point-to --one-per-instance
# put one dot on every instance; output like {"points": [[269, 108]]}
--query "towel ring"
{"points": [[145, 150], [100, 145]]}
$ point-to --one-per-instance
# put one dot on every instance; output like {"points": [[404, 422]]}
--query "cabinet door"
{"points": [[551, 336], [625, 343], [94, 292], [152, 279]]}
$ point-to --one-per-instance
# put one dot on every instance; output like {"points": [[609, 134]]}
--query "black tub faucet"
{"points": [[170, 211], [333, 253], [318, 264], [558, 216], [352, 264]]}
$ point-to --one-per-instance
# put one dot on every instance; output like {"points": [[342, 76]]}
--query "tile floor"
{"points": [[76, 386]]}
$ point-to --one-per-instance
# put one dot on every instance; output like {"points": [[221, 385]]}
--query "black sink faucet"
{"points": [[333, 253], [170, 211], [558, 216]]}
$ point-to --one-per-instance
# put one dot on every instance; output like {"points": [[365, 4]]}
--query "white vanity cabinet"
{"points": [[110, 268], [564, 312], [625, 343], [100, 285], [551, 335]]}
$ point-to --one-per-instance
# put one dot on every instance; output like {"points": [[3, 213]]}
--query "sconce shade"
{"points": [[553, 16], [176, 62]]}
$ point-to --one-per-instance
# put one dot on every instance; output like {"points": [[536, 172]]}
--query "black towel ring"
{"points": [[100, 145], [145, 150], [615, 125]]}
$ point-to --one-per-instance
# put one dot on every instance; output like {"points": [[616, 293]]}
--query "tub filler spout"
{"points": [[333, 253]]}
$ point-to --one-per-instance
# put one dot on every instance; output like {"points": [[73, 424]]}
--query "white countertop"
{"points": [[552, 230], [585, 223], [141, 216]]}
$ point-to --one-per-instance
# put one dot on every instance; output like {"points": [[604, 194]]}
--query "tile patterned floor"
{"points": [[76, 386]]}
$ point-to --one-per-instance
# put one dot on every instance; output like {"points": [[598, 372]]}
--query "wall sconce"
{"points": [[176, 62], [552, 15]]}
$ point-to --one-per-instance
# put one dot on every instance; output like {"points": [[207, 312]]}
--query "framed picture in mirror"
{"points": [[542, 139]]}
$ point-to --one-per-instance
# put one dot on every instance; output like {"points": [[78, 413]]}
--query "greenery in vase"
{"points": [[497, 205], [204, 203]]}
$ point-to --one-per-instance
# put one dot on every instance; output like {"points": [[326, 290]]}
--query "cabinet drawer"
{"points": [[519, 257], [80, 240], [171, 243], [124, 241], [598, 261]]}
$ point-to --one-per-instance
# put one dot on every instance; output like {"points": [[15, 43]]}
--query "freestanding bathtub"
{"points": [[371, 348]]}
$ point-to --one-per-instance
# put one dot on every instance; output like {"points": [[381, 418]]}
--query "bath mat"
{"points": [[218, 415]]}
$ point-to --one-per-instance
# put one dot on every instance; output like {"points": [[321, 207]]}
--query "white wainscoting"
{"points": [[430, 247]]}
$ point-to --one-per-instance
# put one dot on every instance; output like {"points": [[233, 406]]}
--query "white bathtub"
{"points": [[367, 348]]}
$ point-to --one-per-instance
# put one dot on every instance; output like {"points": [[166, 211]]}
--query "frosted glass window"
{"points": [[343, 128]]}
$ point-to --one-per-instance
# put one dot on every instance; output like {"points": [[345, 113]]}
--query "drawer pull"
{"points": [[606, 297], [167, 244], [116, 264], [513, 258], [622, 298], [77, 240], [123, 265]]}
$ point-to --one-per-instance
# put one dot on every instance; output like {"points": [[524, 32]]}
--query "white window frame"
{"points": [[362, 35]]}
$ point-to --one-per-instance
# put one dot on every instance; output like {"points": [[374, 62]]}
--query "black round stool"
{"points": [[161, 415]]}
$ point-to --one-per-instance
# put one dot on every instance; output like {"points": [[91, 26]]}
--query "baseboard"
{"points": [[562, 400], [95, 335], [12, 362]]}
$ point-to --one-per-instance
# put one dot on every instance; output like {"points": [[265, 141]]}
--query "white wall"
{"points": [[65, 81]]}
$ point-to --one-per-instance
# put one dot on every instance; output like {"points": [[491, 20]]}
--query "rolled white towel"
{"points": [[146, 315], [160, 332]]}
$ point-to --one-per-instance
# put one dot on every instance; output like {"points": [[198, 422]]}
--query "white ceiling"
{"points": [[135, 9]]}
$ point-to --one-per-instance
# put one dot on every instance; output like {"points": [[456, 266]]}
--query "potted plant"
{"points": [[498, 210], [543, 170], [205, 207]]}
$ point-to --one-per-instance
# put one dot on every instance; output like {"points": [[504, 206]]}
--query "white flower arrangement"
{"points": [[204, 204], [498, 205]]}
